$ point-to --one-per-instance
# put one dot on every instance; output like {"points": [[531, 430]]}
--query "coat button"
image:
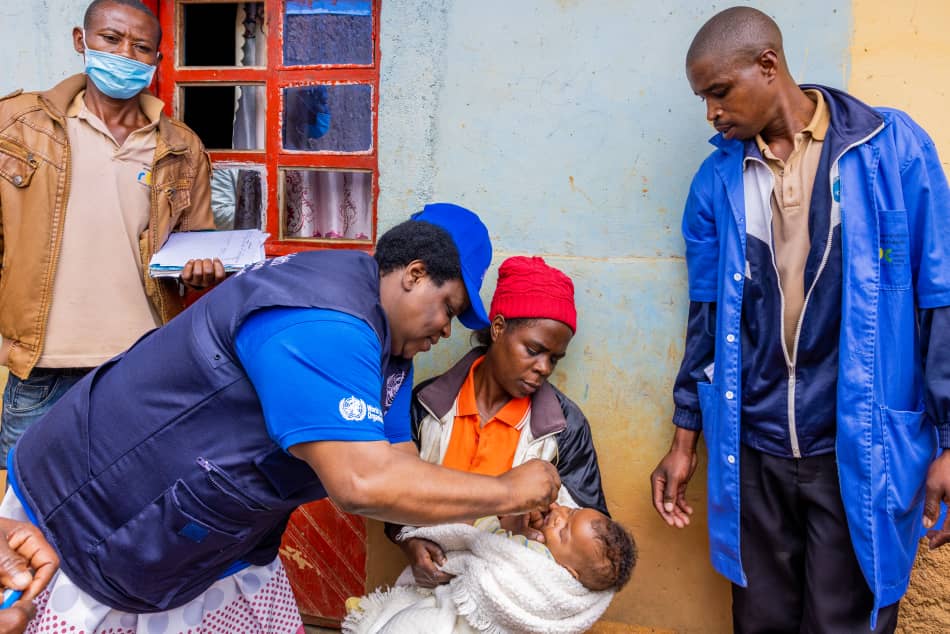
{"points": [[731, 338], [731, 459], [217, 357], [17, 180], [737, 277], [730, 394]]}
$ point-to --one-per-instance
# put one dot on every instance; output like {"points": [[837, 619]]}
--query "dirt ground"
{"points": [[926, 607]]}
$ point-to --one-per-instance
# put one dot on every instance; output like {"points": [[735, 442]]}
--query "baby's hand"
{"points": [[528, 525]]}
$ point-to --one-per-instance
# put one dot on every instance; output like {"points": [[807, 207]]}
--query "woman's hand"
{"points": [[15, 618], [22, 549], [425, 556]]}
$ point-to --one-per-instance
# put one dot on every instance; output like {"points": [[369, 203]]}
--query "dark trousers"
{"points": [[803, 576]]}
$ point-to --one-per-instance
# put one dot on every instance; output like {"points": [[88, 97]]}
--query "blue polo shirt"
{"points": [[317, 375]]}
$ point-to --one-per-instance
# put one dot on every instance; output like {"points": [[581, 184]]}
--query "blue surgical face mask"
{"points": [[117, 76]]}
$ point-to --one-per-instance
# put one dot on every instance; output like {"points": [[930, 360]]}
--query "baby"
{"points": [[595, 549], [497, 586]]}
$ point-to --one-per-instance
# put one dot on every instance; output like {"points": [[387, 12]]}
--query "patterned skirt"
{"points": [[256, 600]]}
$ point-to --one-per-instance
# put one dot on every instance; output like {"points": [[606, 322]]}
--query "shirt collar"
{"points": [[512, 414], [151, 107]]}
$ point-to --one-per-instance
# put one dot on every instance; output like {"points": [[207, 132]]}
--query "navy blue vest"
{"points": [[155, 473]]}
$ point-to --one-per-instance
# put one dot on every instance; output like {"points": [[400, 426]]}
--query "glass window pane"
{"points": [[223, 34], [238, 193], [335, 118], [327, 204], [205, 110], [328, 32]]}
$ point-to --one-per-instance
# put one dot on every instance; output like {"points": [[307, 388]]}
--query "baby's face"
{"points": [[571, 537]]}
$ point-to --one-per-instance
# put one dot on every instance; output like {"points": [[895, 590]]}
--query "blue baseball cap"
{"points": [[474, 246]]}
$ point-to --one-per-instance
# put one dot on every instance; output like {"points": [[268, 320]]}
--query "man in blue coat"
{"points": [[819, 280]]}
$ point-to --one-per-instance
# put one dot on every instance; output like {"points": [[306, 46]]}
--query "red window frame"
{"points": [[275, 76]]}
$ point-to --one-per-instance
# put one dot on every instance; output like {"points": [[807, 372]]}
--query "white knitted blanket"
{"points": [[500, 587]]}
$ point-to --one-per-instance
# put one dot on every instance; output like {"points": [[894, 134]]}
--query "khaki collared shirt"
{"points": [[99, 305], [791, 199]]}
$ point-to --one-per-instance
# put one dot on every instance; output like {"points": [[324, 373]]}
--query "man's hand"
{"points": [[671, 476], [200, 274], [528, 525], [424, 557], [532, 486], [938, 490]]}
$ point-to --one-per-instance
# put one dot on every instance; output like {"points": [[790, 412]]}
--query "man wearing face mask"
{"points": [[93, 179]]}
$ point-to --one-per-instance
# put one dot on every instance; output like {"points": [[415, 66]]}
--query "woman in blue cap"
{"points": [[164, 479]]}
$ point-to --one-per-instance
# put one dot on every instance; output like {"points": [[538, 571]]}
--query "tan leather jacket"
{"points": [[34, 189]]}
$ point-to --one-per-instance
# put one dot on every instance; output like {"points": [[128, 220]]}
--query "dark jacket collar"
{"points": [[438, 396]]}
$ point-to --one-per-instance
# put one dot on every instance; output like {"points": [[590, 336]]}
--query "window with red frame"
{"points": [[284, 95]]}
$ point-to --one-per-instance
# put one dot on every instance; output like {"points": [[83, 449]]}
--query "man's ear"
{"points": [[768, 62], [79, 42], [414, 273]]}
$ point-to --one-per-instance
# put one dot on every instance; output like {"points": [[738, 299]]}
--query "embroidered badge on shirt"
{"points": [[393, 382], [352, 408], [145, 177]]}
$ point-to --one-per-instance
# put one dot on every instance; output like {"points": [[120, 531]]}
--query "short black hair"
{"points": [[419, 240], [483, 337], [737, 33], [619, 552], [97, 5]]}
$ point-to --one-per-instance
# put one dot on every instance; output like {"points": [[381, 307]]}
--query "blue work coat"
{"points": [[892, 196]]}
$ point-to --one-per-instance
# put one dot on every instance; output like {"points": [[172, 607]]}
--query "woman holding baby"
{"points": [[495, 408]]}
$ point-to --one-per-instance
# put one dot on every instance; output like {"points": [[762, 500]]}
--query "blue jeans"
{"points": [[24, 402]]}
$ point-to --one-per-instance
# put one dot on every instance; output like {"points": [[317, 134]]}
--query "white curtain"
{"points": [[325, 204], [249, 128]]}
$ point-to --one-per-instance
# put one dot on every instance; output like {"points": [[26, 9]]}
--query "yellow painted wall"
{"points": [[900, 57]]}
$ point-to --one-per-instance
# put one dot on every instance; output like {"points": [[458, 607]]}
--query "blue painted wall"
{"points": [[570, 127]]}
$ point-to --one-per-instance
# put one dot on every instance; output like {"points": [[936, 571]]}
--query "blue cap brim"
{"points": [[475, 318]]}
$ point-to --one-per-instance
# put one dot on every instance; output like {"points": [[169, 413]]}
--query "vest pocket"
{"points": [[227, 487], [164, 548]]}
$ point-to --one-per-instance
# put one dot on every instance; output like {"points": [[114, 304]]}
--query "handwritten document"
{"points": [[236, 249]]}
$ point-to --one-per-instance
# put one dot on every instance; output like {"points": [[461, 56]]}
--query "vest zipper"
{"points": [[223, 483]]}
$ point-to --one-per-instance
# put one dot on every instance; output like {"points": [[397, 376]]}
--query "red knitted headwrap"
{"points": [[528, 288]]}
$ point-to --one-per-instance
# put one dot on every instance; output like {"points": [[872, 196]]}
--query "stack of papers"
{"points": [[236, 249]]}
